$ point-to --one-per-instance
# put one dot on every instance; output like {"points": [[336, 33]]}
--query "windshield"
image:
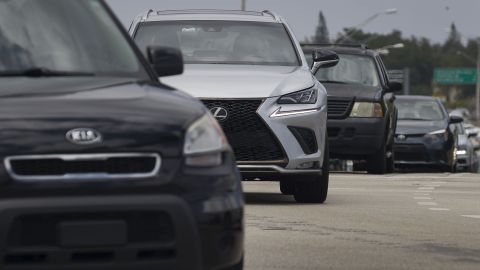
{"points": [[352, 69], [419, 110], [222, 42], [74, 36]]}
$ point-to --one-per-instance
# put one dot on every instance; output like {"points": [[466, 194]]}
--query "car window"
{"points": [[46, 34], [222, 42], [354, 69], [419, 110], [384, 72]]}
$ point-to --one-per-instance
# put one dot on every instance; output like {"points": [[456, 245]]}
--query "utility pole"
{"points": [[477, 92], [244, 5]]}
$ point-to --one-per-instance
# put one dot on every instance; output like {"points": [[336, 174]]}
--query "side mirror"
{"points": [[472, 134], [455, 119], [395, 86], [165, 61], [324, 59]]}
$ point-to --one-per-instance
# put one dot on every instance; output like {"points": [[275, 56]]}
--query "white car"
{"points": [[250, 71]]}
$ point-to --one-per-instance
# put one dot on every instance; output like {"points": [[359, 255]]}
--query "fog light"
{"points": [[306, 165]]}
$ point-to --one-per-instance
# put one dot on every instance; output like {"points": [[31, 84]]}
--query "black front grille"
{"points": [[339, 108], [306, 139], [83, 165], [409, 152], [249, 136]]}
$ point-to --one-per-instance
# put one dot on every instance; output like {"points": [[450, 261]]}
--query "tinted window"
{"points": [[66, 35], [222, 42], [352, 69], [419, 110]]}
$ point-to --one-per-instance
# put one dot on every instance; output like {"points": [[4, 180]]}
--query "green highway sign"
{"points": [[464, 76]]}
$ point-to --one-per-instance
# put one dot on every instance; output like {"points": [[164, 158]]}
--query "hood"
{"points": [[409, 127], [359, 92], [36, 114], [241, 81]]}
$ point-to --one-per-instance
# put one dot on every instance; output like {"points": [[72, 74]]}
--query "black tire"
{"points": [[315, 188], [287, 187], [238, 266], [377, 163]]}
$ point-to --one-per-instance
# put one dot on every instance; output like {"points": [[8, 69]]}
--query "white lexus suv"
{"points": [[250, 71]]}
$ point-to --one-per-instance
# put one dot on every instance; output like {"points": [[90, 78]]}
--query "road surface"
{"points": [[400, 221]]}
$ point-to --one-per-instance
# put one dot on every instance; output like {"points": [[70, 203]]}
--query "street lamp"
{"points": [[386, 49], [355, 29]]}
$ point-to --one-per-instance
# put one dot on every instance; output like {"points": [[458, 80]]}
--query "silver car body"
{"points": [[268, 83]]}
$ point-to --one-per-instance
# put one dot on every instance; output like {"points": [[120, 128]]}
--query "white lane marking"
{"points": [[426, 188], [427, 203], [439, 209], [471, 216], [422, 198], [439, 182]]}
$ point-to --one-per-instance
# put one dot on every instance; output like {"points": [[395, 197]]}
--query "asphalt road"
{"points": [[400, 221]]}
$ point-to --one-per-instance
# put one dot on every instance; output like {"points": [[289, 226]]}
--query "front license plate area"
{"points": [[80, 234]]}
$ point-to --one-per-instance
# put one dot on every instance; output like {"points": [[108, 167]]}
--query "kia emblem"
{"points": [[84, 136]]}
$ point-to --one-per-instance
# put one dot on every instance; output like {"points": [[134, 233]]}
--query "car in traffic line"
{"points": [[467, 160], [361, 112], [249, 70], [104, 167], [425, 138]]}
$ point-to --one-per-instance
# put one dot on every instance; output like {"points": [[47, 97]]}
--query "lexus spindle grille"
{"points": [[249, 136]]}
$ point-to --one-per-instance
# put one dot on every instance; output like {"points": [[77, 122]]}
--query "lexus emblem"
{"points": [[401, 137], [84, 136], [220, 113]]}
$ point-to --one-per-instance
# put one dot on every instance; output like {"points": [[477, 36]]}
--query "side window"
{"points": [[383, 70]]}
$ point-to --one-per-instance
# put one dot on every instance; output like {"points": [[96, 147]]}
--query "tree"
{"points": [[454, 38], [321, 32]]}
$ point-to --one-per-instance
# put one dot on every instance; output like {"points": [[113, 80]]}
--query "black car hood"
{"points": [[359, 92], [409, 127], [36, 114]]}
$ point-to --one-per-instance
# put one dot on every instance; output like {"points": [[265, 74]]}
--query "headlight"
{"points": [[438, 134], [367, 109], [204, 143], [308, 96], [461, 152]]}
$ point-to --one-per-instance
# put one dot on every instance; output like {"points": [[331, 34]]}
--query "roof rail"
{"points": [[146, 14], [361, 46], [273, 14]]}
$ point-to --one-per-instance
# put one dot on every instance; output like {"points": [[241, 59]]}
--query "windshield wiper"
{"points": [[339, 82], [414, 119], [43, 72]]}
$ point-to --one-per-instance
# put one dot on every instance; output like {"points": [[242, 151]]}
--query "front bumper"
{"points": [[183, 218], [283, 127], [119, 232], [424, 152], [356, 138]]}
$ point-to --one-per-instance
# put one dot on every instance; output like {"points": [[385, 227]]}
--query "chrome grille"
{"points": [[83, 166]]}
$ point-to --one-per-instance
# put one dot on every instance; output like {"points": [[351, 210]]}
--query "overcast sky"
{"points": [[423, 18]]}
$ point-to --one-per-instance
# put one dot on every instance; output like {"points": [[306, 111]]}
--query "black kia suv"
{"points": [[103, 167], [362, 116]]}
